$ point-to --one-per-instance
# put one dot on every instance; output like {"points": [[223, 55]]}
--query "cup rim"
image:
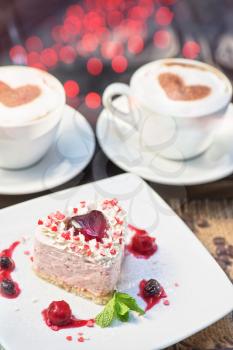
{"points": [[61, 102], [194, 62]]}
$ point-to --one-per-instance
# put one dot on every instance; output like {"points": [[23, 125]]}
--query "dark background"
{"points": [[150, 30]]}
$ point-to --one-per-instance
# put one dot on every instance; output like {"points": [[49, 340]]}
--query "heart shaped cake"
{"points": [[82, 250]]}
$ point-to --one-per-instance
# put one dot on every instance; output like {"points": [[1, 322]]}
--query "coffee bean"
{"points": [[219, 240], [230, 251], [203, 223], [221, 250], [224, 259]]}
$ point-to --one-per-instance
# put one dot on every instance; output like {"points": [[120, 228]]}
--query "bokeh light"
{"points": [[34, 43], [164, 16], [191, 49], [162, 39], [49, 57], [93, 100], [119, 64], [109, 49], [71, 88], [94, 66], [135, 44], [18, 54], [33, 58], [67, 54]]}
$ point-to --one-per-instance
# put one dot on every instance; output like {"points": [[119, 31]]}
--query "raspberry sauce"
{"points": [[8, 288], [142, 245], [59, 316], [150, 300]]}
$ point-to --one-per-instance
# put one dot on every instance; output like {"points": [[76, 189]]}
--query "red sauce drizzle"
{"points": [[5, 274], [58, 316], [142, 245], [150, 300]]}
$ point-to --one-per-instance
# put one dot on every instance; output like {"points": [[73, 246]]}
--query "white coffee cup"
{"points": [[27, 131], [178, 124]]}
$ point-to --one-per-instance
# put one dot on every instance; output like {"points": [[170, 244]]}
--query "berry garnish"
{"points": [[8, 287], [91, 225], [6, 263], [59, 313], [152, 288]]}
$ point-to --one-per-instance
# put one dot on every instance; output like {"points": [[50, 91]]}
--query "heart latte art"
{"points": [[177, 90], [178, 87], [27, 95], [13, 97]]}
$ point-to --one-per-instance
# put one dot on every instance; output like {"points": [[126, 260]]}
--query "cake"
{"points": [[82, 249]]}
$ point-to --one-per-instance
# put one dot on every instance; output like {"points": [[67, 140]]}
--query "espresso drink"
{"points": [[180, 89], [26, 95]]}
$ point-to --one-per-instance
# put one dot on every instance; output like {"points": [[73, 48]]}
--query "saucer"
{"points": [[69, 155], [121, 145]]}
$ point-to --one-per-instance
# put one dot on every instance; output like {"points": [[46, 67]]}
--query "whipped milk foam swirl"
{"points": [[26, 95], [175, 88]]}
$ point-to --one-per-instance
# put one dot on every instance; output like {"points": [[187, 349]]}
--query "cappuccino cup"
{"points": [[31, 106], [175, 105]]}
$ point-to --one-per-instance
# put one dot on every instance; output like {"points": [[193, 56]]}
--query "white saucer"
{"points": [[70, 154], [122, 147]]}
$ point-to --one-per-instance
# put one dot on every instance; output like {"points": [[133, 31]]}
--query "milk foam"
{"points": [[148, 91], [48, 100]]}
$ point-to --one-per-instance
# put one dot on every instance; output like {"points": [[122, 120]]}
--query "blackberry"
{"points": [[8, 287], [5, 263], [152, 288]]}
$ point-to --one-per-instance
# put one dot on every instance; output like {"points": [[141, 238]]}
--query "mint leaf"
{"points": [[121, 308], [105, 317], [129, 301], [123, 318], [118, 307]]}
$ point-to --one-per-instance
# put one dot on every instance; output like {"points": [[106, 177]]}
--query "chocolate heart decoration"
{"points": [[177, 90], [11, 97], [91, 225]]}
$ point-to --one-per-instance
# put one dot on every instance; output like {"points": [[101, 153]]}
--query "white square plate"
{"points": [[204, 294]]}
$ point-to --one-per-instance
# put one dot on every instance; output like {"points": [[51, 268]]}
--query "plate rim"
{"points": [[59, 182]]}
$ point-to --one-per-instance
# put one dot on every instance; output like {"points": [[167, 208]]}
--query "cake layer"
{"points": [[76, 274]]}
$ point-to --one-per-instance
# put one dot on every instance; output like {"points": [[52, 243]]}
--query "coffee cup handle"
{"points": [[110, 92]]}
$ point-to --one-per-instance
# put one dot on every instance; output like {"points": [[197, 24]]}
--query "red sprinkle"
{"points": [[54, 228], [26, 252], [75, 210], [113, 251], [119, 221], [59, 215], [81, 339], [166, 302], [69, 338], [66, 236], [86, 246], [40, 222], [108, 245]]}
